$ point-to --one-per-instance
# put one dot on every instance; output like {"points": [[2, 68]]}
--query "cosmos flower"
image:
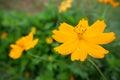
{"points": [[23, 44], [82, 40], [112, 2], [66, 4]]}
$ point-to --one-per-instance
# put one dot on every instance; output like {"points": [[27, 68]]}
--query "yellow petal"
{"points": [[30, 44], [65, 33], [103, 38], [13, 46], [83, 22], [63, 36], [27, 42], [67, 47], [79, 54], [96, 51], [115, 4], [97, 27], [15, 52], [25, 39], [66, 27]]}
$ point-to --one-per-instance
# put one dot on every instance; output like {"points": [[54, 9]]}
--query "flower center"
{"points": [[80, 30]]}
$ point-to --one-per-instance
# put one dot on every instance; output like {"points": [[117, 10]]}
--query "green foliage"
{"points": [[42, 62]]}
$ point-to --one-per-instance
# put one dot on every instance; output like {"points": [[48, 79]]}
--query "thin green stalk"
{"points": [[105, 12], [40, 58], [97, 68]]}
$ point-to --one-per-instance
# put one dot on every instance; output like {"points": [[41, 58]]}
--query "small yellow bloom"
{"points": [[24, 43], [66, 4], [72, 77], [33, 30], [49, 40], [27, 74], [112, 2], [3, 35], [49, 58], [82, 40]]}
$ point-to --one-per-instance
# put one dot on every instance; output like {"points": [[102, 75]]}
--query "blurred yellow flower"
{"points": [[49, 58], [3, 35], [24, 43], [82, 40], [112, 2], [105, 1], [49, 40], [72, 77], [33, 30], [66, 4], [27, 74]]}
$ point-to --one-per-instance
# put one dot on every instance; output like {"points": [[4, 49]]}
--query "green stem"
{"points": [[40, 58], [104, 13], [97, 68]]}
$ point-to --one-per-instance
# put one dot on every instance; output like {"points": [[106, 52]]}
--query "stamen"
{"points": [[80, 30]]}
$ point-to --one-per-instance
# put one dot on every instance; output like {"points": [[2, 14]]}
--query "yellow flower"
{"points": [[105, 1], [112, 2], [49, 58], [27, 74], [66, 4], [49, 40], [82, 40], [24, 43], [33, 30], [3, 35], [72, 77]]}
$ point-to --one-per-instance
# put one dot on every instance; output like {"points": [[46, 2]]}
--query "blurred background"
{"points": [[19, 17]]}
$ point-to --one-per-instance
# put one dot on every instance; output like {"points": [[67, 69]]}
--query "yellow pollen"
{"points": [[80, 29]]}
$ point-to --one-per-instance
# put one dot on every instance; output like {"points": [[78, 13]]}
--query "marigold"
{"points": [[112, 2], [24, 43], [82, 40], [66, 4]]}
